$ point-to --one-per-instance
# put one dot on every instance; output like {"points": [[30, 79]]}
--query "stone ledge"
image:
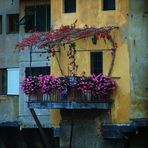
{"points": [[70, 105]]}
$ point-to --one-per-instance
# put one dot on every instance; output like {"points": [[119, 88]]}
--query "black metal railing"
{"points": [[72, 95]]}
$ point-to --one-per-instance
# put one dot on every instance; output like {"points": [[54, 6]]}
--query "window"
{"points": [[0, 24], [69, 6], [109, 4], [96, 62], [36, 19], [3, 81], [13, 81], [12, 23], [35, 71], [9, 81]]}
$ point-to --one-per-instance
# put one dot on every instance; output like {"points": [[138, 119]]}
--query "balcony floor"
{"points": [[69, 105]]}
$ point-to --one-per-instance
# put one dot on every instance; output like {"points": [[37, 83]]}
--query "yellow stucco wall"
{"points": [[90, 12]]}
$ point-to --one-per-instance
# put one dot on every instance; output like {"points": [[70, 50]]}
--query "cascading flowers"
{"points": [[97, 85], [30, 85], [48, 83], [102, 85]]}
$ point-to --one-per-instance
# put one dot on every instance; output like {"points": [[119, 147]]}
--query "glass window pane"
{"points": [[41, 18], [69, 6], [3, 81], [12, 23], [35, 71], [96, 63], [30, 19], [13, 81], [108, 4]]}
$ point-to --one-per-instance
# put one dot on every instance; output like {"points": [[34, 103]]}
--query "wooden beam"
{"points": [[43, 135]]}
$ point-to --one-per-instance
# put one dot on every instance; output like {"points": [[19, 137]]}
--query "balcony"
{"points": [[73, 100], [50, 92]]}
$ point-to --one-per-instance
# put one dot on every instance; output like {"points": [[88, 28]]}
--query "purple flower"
{"points": [[29, 85]]}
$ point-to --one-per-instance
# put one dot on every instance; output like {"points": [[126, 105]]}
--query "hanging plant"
{"points": [[72, 66], [96, 85], [30, 85], [48, 83]]}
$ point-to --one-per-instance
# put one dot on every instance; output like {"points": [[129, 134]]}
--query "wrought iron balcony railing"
{"points": [[73, 100]]}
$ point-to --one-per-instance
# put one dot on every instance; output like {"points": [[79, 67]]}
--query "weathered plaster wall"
{"points": [[85, 135], [8, 55], [38, 60], [8, 59], [8, 108], [91, 13], [138, 49]]}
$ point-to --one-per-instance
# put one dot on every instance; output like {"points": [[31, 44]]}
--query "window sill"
{"points": [[70, 13], [36, 32], [109, 10], [7, 95], [12, 33]]}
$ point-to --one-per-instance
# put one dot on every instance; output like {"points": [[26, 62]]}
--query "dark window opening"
{"points": [[0, 24], [12, 23], [96, 63], [36, 19], [69, 6], [109, 4], [36, 71], [3, 81], [30, 19]]}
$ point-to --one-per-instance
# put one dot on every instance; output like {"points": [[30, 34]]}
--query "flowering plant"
{"points": [[97, 85], [102, 85], [30, 85], [85, 84], [48, 83], [67, 82]]}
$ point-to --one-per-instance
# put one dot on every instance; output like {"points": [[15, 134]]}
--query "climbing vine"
{"points": [[72, 66], [68, 34]]}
